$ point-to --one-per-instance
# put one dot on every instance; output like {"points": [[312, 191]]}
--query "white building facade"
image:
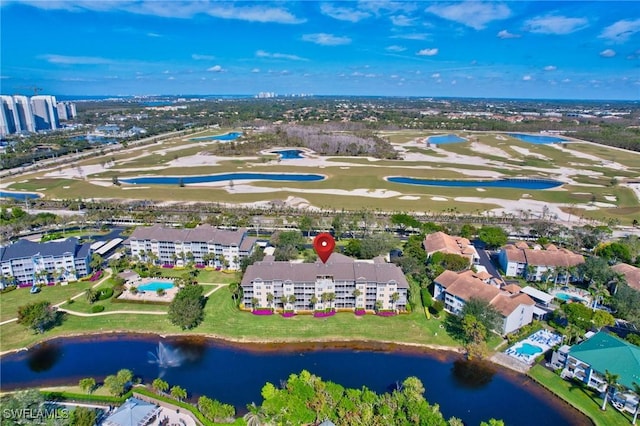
{"points": [[203, 245], [26, 263]]}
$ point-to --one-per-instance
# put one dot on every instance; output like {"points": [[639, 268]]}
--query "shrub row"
{"points": [[82, 397], [146, 392], [97, 308]]}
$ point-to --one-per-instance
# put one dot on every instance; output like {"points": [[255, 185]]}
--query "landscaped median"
{"points": [[579, 396]]}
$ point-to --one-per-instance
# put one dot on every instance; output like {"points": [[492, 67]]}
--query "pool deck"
{"points": [[150, 296], [543, 339]]}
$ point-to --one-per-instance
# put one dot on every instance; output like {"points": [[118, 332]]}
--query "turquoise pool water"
{"points": [[226, 137], [566, 297], [445, 139], [528, 349], [155, 286], [539, 139], [289, 154]]}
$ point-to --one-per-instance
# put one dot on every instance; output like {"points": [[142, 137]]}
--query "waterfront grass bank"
{"points": [[584, 399]]}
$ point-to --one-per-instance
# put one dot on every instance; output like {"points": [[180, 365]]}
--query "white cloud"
{"points": [[608, 53], [215, 68], [620, 31], [566, 80], [412, 36], [343, 13], [504, 34], [471, 13], [325, 39], [435, 75], [428, 52], [550, 68], [553, 24], [402, 21], [154, 35], [395, 48], [255, 70], [198, 57], [526, 78], [75, 60], [171, 78], [263, 54], [254, 14]]}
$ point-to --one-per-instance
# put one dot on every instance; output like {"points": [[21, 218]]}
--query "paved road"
{"points": [[485, 260]]}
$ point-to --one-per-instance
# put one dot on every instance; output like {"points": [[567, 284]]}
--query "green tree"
{"points": [[484, 312], [337, 224], [602, 318], [83, 416], [215, 410], [91, 295], [492, 236], [96, 262], [306, 224], [187, 308], [159, 385], [38, 316], [612, 382], [178, 393], [87, 384]]}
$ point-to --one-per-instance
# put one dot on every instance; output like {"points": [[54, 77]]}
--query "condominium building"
{"points": [[45, 112], [538, 263], [9, 118], [66, 110], [203, 245], [455, 289], [25, 115], [443, 243], [25, 262], [379, 284]]}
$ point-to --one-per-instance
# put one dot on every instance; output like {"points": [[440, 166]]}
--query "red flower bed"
{"points": [[200, 266], [96, 276], [386, 313], [360, 312], [288, 314], [167, 266], [262, 312]]}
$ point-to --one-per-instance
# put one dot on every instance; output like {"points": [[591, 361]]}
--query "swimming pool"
{"points": [[450, 138], [528, 349], [155, 286], [175, 180], [538, 139], [500, 183], [566, 297], [289, 154], [226, 137]]}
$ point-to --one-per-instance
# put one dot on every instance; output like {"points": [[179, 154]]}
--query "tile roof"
{"points": [[341, 267], [553, 257], [25, 248], [202, 233], [631, 274], [466, 285], [439, 241], [606, 352]]}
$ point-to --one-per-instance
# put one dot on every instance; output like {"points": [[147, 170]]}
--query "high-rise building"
{"points": [[9, 120], [66, 110], [25, 115], [45, 112]]}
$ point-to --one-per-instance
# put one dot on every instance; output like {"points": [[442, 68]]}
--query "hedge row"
{"points": [[185, 405], [84, 397]]}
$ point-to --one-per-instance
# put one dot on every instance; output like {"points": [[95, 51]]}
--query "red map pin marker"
{"points": [[324, 245]]}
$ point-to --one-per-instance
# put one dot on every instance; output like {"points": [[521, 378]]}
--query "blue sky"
{"points": [[541, 49]]}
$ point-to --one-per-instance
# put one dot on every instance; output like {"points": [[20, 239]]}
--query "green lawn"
{"points": [[580, 397], [223, 320], [10, 301]]}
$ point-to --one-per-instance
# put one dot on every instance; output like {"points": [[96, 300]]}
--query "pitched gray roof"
{"points": [[341, 267], [25, 248], [202, 233], [134, 412]]}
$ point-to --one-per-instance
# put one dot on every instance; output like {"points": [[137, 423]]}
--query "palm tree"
{"points": [[612, 382], [356, 293], [292, 300], [270, 298], [91, 295], [255, 415], [314, 300], [636, 390], [284, 299], [394, 298], [233, 288], [254, 302], [159, 385], [531, 273], [330, 298], [178, 393]]}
